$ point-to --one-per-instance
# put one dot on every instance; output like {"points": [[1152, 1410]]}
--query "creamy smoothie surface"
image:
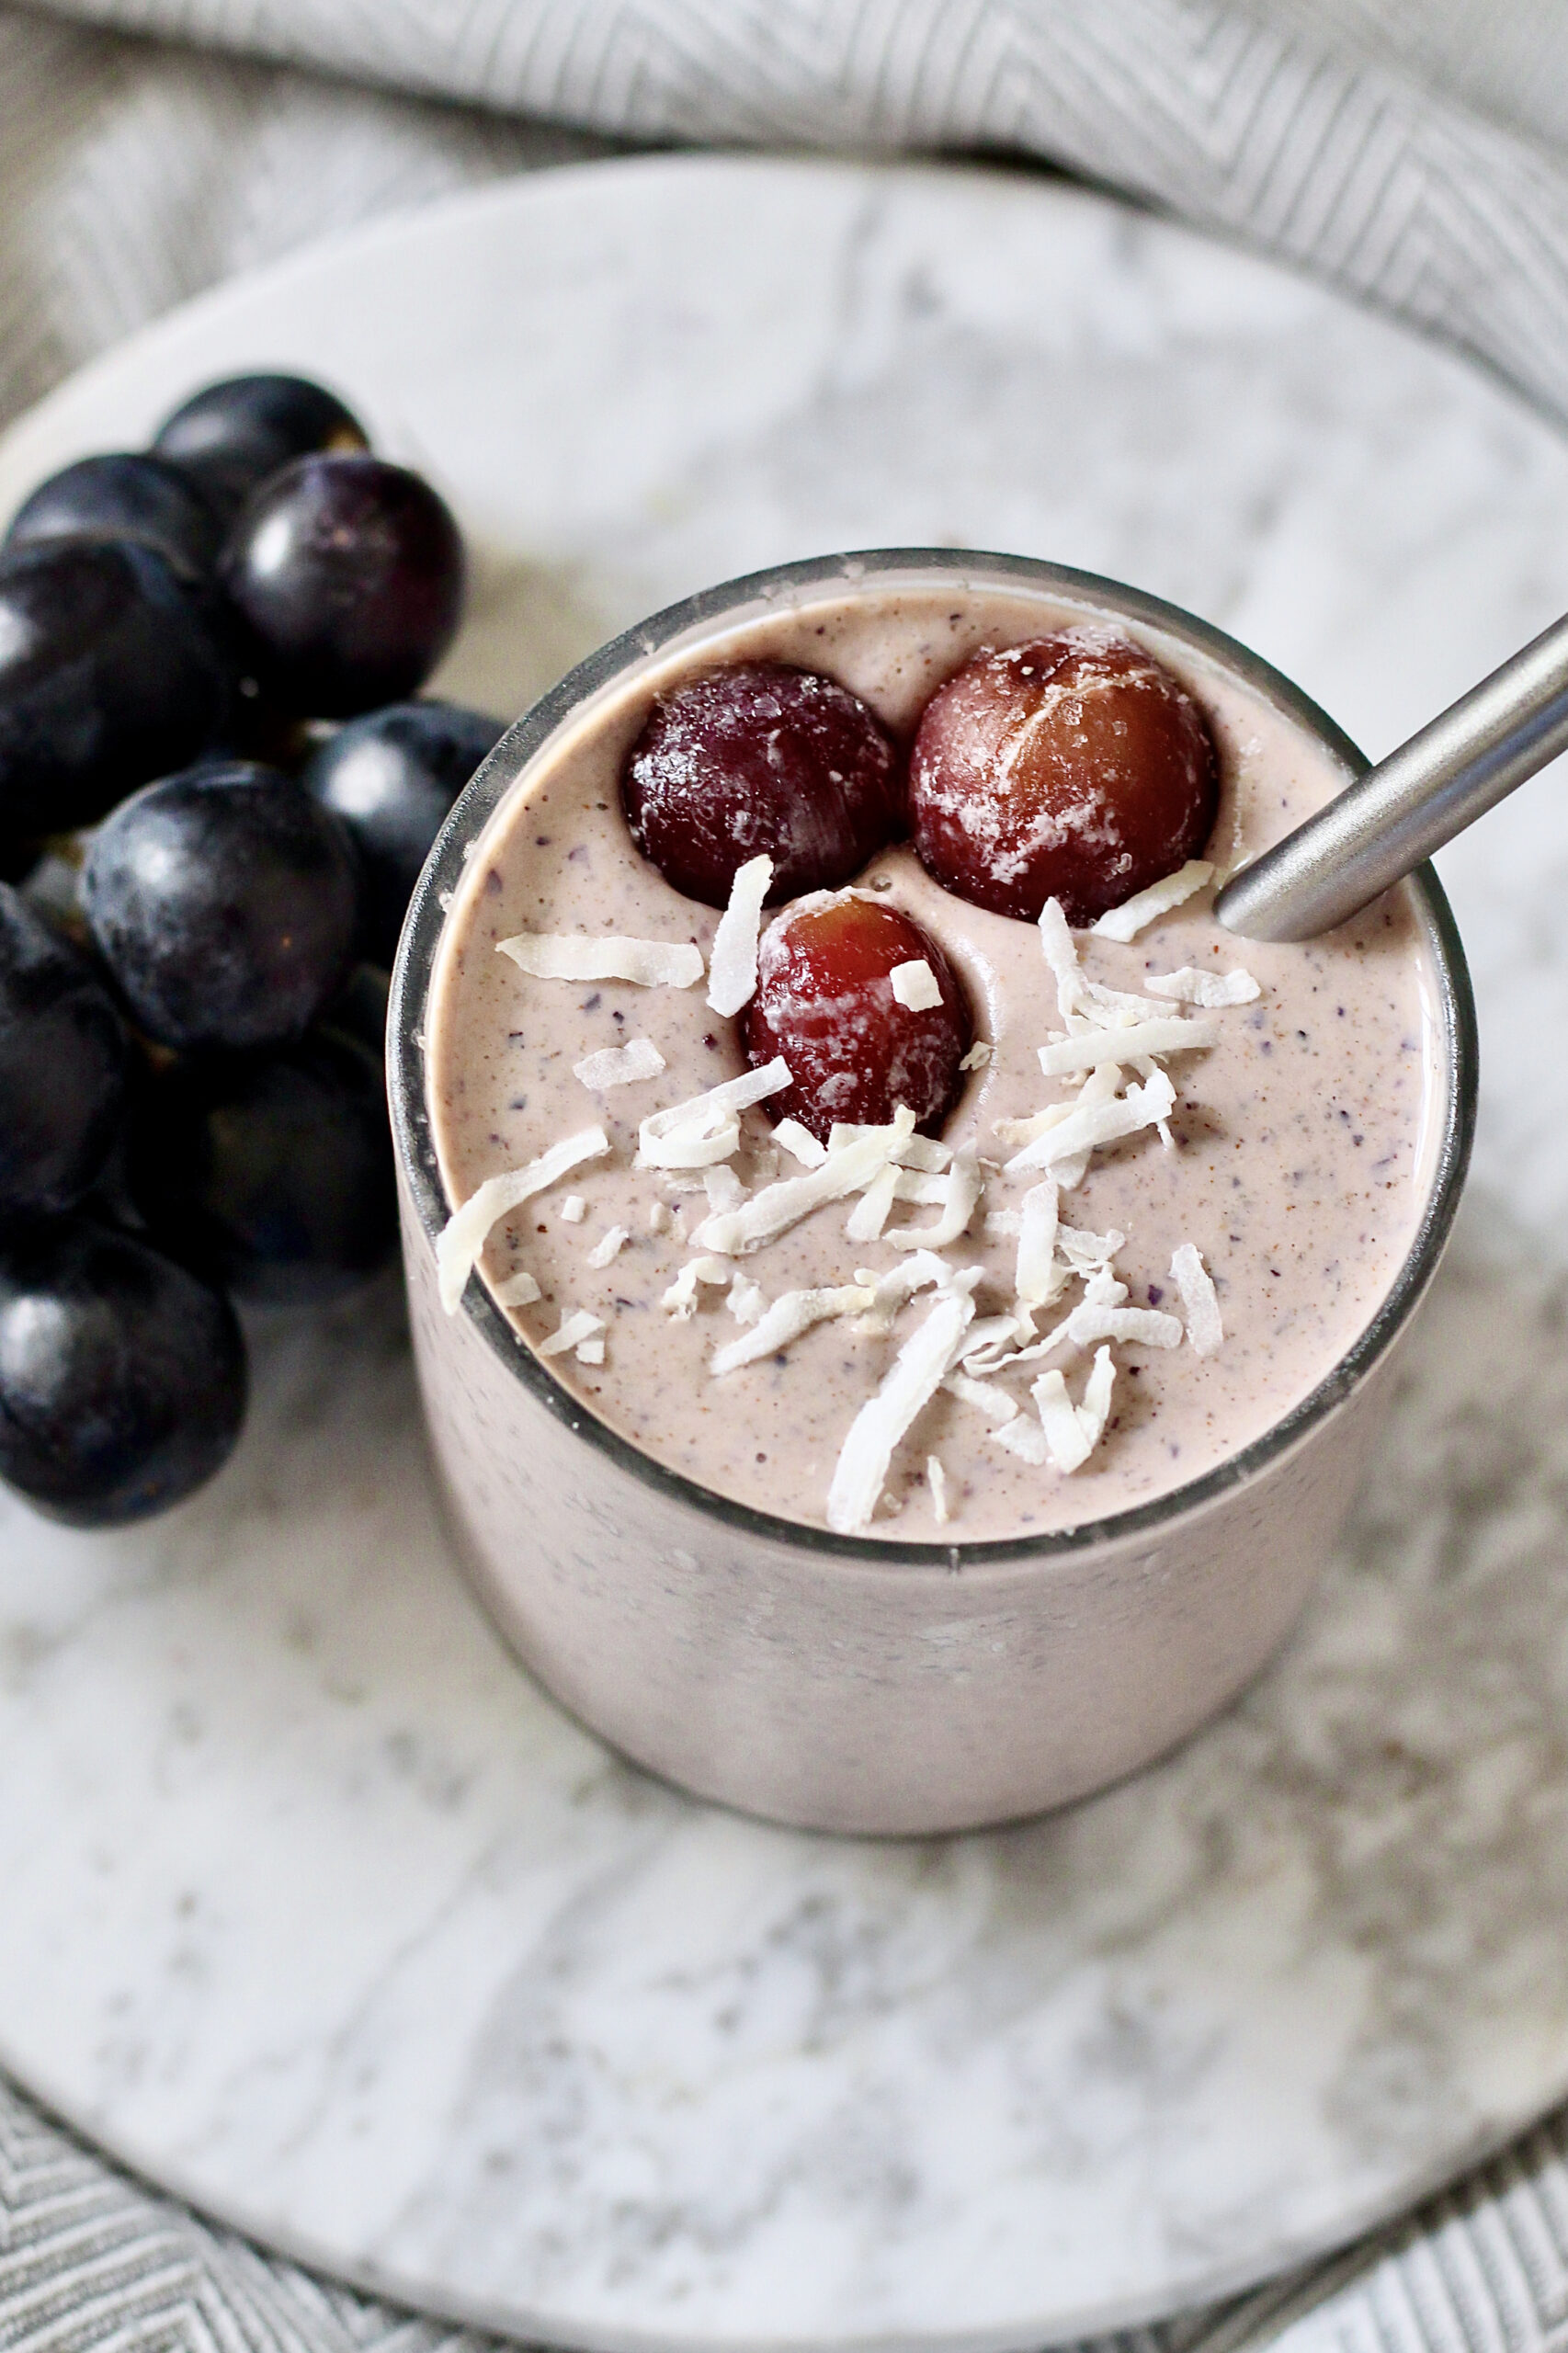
{"points": [[1293, 1164]]}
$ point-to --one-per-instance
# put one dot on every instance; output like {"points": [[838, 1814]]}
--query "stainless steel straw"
{"points": [[1470, 756]]}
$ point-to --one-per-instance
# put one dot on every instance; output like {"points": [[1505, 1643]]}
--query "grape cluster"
{"points": [[1075, 768], [202, 882]]}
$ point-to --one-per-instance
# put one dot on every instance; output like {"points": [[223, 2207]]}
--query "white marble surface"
{"points": [[315, 1909]]}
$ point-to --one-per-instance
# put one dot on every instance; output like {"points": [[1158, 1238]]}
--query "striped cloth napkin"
{"points": [[1415, 152]]}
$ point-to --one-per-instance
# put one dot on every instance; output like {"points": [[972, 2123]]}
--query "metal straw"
{"points": [[1410, 804]]}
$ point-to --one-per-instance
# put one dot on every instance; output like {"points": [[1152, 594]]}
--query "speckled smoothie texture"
{"points": [[1301, 1143]]}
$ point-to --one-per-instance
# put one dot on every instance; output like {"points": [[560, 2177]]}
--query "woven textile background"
{"points": [[1415, 152]]}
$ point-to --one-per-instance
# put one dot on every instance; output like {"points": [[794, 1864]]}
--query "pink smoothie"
{"points": [[1299, 1160]]}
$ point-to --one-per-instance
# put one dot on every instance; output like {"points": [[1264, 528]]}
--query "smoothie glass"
{"points": [[850, 1683]]}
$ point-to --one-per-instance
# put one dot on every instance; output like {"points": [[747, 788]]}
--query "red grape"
{"points": [[824, 1001], [760, 758], [1075, 767]]}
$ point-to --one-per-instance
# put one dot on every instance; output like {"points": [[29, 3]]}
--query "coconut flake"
{"points": [[706, 1127], [1149, 1326], [871, 1211], [576, 1326], [1071, 1431], [977, 1057], [1023, 1438], [680, 1300], [732, 963], [578, 956], [986, 1397], [907, 1388], [777, 1207], [915, 985], [1128, 1043], [620, 1065], [1191, 986], [1062, 955], [1090, 1124], [964, 1185], [928, 1154], [937, 1480], [1133, 915], [791, 1314], [1037, 1279], [897, 1287], [747, 1302], [466, 1231], [659, 1217], [722, 1189], [591, 1351], [799, 1143], [573, 1210], [1192, 1279], [609, 1245], [517, 1290]]}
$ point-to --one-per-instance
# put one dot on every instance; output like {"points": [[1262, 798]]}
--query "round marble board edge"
{"points": [[320, 1915]]}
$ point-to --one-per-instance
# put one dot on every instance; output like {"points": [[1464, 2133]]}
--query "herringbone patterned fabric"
{"points": [[1413, 151]]}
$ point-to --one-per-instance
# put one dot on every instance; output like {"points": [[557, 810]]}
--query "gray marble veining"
{"points": [[318, 1912]]}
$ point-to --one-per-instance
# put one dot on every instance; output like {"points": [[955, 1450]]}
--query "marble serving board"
{"points": [[316, 1911]]}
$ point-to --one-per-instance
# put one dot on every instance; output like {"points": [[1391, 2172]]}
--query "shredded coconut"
{"points": [[871, 1211], [573, 1210], [799, 1143], [1128, 1043], [680, 1300], [722, 1189], [915, 985], [659, 1219], [908, 1150], [908, 1386], [578, 956], [732, 963], [1192, 1279], [777, 1207], [576, 1326], [987, 1397], [620, 1065], [609, 1245], [706, 1127], [937, 1480], [791, 1314], [1135, 914], [964, 1183], [465, 1233], [977, 1057], [897, 1287], [1149, 1326], [1191, 986], [1073, 1432], [1037, 1279], [519, 1291], [1090, 1124], [747, 1302]]}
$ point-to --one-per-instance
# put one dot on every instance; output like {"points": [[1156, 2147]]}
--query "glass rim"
{"points": [[731, 603]]}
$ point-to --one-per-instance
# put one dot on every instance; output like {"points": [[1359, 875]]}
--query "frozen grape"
{"points": [[824, 1000], [760, 758], [1075, 767]]}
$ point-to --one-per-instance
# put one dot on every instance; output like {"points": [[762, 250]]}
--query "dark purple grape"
{"points": [[273, 1174], [108, 677], [61, 1067], [760, 758], [225, 903], [231, 437], [128, 495], [392, 777], [122, 1376], [348, 574]]}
